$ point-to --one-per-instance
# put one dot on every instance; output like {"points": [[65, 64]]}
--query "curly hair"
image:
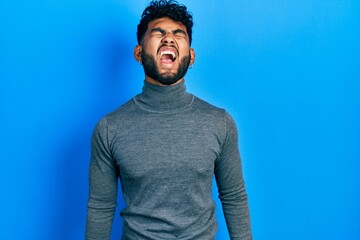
{"points": [[165, 8]]}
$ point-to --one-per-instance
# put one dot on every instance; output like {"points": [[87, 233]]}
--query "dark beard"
{"points": [[167, 78]]}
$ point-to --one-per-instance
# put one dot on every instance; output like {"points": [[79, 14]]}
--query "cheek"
{"points": [[185, 51], [151, 46]]}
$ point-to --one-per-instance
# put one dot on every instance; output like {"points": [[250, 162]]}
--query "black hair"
{"points": [[165, 8]]}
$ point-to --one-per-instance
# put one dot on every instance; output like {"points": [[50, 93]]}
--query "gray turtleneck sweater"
{"points": [[166, 145]]}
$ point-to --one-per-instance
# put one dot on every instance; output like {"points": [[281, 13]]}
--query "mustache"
{"points": [[167, 45]]}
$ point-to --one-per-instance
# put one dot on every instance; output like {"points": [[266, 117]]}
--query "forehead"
{"points": [[166, 24]]}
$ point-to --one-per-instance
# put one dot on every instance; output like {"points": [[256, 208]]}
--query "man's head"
{"points": [[164, 9], [164, 38]]}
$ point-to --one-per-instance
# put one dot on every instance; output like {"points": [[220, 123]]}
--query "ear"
{"points": [[137, 53], [192, 56]]}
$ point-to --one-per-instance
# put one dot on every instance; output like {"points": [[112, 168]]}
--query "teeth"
{"points": [[168, 52]]}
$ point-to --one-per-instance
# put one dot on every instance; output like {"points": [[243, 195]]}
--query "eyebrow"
{"points": [[162, 31]]}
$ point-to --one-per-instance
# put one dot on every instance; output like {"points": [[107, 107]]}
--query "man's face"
{"points": [[165, 52]]}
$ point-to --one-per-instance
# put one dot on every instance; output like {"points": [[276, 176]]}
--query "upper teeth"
{"points": [[168, 52]]}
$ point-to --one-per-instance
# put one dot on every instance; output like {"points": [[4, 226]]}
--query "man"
{"points": [[166, 145]]}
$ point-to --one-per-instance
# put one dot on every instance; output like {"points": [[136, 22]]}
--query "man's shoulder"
{"points": [[206, 107], [212, 112], [121, 113]]}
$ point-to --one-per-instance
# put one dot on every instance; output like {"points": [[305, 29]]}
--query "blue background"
{"points": [[287, 71]]}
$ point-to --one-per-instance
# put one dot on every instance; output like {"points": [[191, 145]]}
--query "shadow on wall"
{"points": [[109, 90]]}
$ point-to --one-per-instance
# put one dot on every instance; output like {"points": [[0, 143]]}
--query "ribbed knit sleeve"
{"points": [[231, 185], [103, 184]]}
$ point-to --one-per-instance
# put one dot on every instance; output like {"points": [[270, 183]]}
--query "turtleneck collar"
{"points": [[164, 98]]}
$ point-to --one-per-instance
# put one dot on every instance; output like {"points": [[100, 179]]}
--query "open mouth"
{"points": [[167, 56]]}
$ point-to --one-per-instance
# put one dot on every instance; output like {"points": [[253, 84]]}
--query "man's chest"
{"points": [[169, 145]]}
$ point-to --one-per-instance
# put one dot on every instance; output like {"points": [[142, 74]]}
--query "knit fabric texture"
{"points": [[166, 145]]}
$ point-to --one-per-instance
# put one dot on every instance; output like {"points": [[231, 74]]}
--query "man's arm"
{"points": [[231, 186], [103, 184]]}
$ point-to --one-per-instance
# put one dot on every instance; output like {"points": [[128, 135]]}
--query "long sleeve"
{"points": [[103, 184], [230, 182]]}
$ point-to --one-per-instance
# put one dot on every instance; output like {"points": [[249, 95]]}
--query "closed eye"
{"points": [[179, 33], [158, 31]]}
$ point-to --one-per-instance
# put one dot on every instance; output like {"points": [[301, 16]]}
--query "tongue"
{"points": [[166, 59]]}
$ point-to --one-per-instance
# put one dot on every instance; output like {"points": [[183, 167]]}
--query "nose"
{"points": [[168, 38]]}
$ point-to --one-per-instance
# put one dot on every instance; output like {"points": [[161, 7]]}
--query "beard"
{"points": [[167, 78]]}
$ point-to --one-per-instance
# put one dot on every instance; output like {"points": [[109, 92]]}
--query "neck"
{"points": [[161, 98]]}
